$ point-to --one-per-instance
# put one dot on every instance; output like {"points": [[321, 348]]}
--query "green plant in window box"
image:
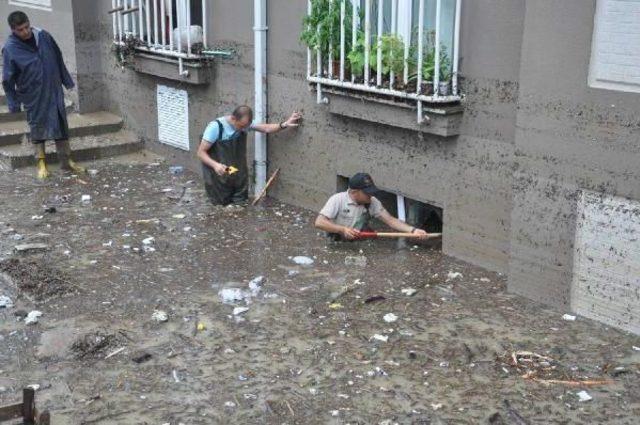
{"points": [[321, 30]]}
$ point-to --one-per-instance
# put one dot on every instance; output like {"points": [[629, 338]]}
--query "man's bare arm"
{"points": [[203, 155], [323, 223], [400, 226], [292, 121]]}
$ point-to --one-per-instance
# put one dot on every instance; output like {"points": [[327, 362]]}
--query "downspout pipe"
{"points": [[260, 91]]}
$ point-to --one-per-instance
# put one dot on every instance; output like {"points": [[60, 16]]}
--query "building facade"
{"points": [[535, 170]]}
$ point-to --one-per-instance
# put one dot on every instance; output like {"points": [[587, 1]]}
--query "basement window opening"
{"points": [[419, 214]]}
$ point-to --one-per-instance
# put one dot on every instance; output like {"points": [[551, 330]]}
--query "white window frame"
{"points": [[401, 25], [130, 20], [33, 4], [594, 79]]}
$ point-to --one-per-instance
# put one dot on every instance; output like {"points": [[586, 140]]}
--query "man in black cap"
{"points": [[346, 214]]}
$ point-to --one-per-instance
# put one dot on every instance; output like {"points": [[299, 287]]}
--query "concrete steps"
{"points": [[13, 132], [85, 148]]}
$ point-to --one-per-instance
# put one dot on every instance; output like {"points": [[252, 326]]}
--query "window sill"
{"points": [[440, 120], [196, 72]]}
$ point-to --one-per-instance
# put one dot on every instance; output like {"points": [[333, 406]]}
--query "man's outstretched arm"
{"points": [[323, 223], [292, 121]]}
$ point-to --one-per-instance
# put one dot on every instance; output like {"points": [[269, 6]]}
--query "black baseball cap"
{"points": [[363, 182]]}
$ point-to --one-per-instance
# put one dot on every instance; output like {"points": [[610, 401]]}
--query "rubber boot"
{"points": [[64, 155], [43, 171]]}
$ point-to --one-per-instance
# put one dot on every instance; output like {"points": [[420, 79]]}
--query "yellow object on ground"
{"points": [[335, 306], [201, 326], [232, 170]]}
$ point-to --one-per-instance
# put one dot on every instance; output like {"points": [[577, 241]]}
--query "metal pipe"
{"points": [[456, 48], [420, 45], [120, 23], [171, 25], [175, 54], [379, 47], [436, 71], [382, 91], [113, 20], [394, 31], [406, 16], [204, 24], [367, 41], [155, 22], [180, 15], [140, 20], [148, 16], [125, 6], [309, 10], [189, 28], [330, 58], [260, 91], [319, 68], [163, 24], [342, 38], [355, 21], [402, 213]]}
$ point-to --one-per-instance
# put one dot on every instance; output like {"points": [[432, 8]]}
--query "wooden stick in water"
{"points": [[266, 187]]}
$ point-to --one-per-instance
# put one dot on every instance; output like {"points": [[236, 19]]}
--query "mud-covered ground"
{"points": [[313, 346]]}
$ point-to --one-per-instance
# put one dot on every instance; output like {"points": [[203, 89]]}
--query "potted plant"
{"points": [[321, 30], [444, 86], [392, 49]]}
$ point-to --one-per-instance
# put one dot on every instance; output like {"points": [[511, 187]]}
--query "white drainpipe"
{"points": [[260, 90]]}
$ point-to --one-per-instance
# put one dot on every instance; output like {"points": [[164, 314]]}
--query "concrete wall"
{"points": [[569, 138], [59, 22]]}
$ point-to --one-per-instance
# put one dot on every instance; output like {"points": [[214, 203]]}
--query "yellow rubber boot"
{"points": [[43, 171], [75, 167]]}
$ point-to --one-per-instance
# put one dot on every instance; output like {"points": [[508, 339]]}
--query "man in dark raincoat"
{"points": [[33, 75]]}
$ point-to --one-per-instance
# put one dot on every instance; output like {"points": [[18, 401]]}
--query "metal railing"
{"points": [[162, 27], [418, 51]]}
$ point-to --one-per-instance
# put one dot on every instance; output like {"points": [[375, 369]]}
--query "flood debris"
{"points": [[36, 280], [160, 316], [31, 247], [569, 317], [584, 396], [240, 310], [375, 299], [141, 358], [409, 292], [356, 261], [379, 337], [5, 302], [98, 344], [32, 317], [301, 260], [454, 275], [390, 317]]}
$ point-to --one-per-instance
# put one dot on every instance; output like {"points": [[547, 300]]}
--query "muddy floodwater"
{"points": [[154, 312]]}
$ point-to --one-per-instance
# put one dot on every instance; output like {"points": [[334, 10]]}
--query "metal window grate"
{"points": [[380, 28]]}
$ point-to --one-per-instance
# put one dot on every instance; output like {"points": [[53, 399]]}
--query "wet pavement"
{"points": [[402, 334]]}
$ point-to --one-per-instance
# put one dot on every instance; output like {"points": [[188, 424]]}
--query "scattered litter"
{"points": [[142, 358], [485, 280], [179, 216], [86, 198], [256, 284], [335, 306], [160, 316], [569, 318], [176, 170], [302, 260], [16, 237], [358, 261], [34, 387], [240, 310], [390, 317], [378, 337], [200, 327], [32, 317], [635, 348], [233, 295], [50, 210], [374, 299], [175, 376], [229, 404], [31, 247], [584, 396], [408, 291], [149, 241], [5, 302], [454, 275], [113, 353], [444, 364], [92, 173], [436, 406], [37, 217]]}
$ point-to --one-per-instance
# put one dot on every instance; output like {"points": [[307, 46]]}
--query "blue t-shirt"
{"points": [[229, 132]]}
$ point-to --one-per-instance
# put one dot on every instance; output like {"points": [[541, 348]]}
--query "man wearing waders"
{"points": [[223, 152], [33, 74]]}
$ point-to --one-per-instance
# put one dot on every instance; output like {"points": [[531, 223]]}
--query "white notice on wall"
{"points": [[173, 117]]}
